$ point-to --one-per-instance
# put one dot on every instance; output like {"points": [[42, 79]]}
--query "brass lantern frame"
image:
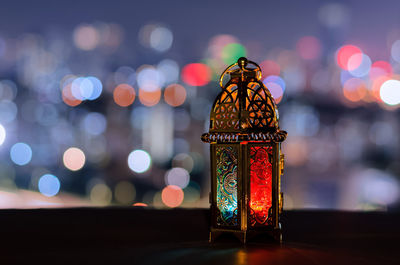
{"points": [[243, 116]]}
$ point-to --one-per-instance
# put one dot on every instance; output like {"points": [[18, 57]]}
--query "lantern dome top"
{"points": [[245, 109]]}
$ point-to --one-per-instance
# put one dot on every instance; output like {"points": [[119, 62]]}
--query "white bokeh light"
{"points": [[390, 92], [177, 176], [139, 161], [161, 39], [2, 134]]}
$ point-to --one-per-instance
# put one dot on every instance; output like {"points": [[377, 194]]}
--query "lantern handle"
{"points": [[242, 62]]}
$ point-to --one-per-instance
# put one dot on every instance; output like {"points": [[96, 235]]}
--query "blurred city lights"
{"points": [[74, 159], [94, 123], [169, 70], [395, 51], [125, 192], [276, 85], [181, 120], [8, 90], [345, 53], [379, 187], [334, 15], [8, 111], [231, 52], [96, 88], [46, 114], [379, 69], [140, 204], [309, 48], [172, 196], [125, 75], [21, 154], [2, 134], [177, 176], [276, 91], [324, 110], [175, 95], [269, 67], [354, 89], [124, 95], [184, 161], [86, 37], [390, 92], [196, 74], [101, 194], [149, 98], [149, 79], [49, 185], [161, 39], [359, 65], [139, 161], [68, 97], [218, 42]]}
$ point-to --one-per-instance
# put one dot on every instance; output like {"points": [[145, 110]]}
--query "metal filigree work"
{"points": [[260, 106], [250, 109], [260, 185], [226, 173], [225, 112]]}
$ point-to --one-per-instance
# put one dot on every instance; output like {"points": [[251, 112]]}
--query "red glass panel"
{"points": [[260, 184]]}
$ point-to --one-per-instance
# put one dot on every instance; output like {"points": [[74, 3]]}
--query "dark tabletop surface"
{"points": [[147, 236]]}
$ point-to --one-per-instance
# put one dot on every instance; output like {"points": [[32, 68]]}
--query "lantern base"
{"points": [[244, 236]]}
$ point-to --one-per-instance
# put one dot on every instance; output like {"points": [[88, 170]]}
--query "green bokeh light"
{"points": [[231, 52]]}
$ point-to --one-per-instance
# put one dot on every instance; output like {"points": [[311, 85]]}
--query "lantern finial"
{"points": [[242, 62]]}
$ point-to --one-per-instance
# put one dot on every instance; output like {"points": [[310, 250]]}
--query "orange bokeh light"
{"points": [[172, 196], [354, 89], [345, 53], [68, 98], [124, 95], [376, 87], [196, 74], [149, 98], [175, 95], [140, 204]]}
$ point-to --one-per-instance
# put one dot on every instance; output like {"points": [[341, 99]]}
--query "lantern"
{"points": [[246, 159]]}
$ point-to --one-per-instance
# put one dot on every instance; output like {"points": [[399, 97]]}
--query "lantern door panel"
{"points": [[226, 175], [261, 178]]}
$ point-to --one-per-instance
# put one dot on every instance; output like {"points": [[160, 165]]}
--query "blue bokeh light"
{"points": [[21, 154], [49, 185]]}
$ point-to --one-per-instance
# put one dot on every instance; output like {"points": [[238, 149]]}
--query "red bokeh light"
{"points": [[270, 68], [196, 74], [309, 48], [380, 68], [345, 53]]}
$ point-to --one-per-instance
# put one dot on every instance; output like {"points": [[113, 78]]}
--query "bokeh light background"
{"points": [[103, 102]]}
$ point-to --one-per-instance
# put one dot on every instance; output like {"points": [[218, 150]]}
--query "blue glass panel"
{"points": [[226, 166]]}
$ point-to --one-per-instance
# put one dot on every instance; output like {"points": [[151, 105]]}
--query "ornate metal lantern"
{"points": [[246, 159]]}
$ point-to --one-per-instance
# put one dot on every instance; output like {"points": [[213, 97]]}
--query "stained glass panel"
{"points": [[227, 167], [260, 185]]}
